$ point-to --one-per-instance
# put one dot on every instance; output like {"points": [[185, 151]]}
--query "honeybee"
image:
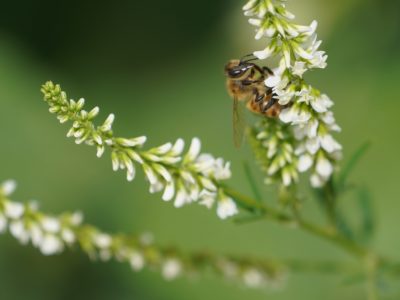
{"points": [[245, 82]]}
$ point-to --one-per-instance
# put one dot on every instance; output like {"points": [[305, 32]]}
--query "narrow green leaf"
{"points": [[354, 279], [252, 182], [341, 181], [343, 226], [367, 226]]}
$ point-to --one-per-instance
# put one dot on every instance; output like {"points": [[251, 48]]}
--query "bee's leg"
{"points": [[267, 71], [270, 103], [257, 97], [250, 82]]}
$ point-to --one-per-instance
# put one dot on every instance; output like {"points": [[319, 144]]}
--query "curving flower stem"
{"points": [[328, 234]]}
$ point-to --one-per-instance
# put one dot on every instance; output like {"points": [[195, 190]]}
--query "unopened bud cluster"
{"points": [[307, 109]]}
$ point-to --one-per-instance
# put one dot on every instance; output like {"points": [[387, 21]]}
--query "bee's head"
{"points": [[235, 68]]}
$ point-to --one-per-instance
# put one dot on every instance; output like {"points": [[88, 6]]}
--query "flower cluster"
{"points": [[54, 234], [186, 178], [272, 145], [306, 108]]}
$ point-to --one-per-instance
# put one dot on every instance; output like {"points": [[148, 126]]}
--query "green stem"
{"points": [[281, 217]]}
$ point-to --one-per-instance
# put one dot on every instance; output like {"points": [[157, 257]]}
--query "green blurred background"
{"points": [[158, 66]]}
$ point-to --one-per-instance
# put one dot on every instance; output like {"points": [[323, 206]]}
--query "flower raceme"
{"points": [[307, 109], [53, 235], [186, 178]]}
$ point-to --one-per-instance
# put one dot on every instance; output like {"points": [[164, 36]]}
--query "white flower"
{"points": [[50, 224], [316, 181], [108, 123], [295, 115], [36, 234], [182, 197], [299, 68], [312, 145], [264, 54], [102, 240], [226, 208], [207, 198], [76, 218], [253, 278], [204, 164], [13, 210], [193, 151], [321, 104], [178, 147], [171, 269], [324, 167], [222, 169], [68, 236], [8, 187], [51, 245], [169, 191], [329, 143], [305, 163], [18, 230], [286, 177], [136, 261]]}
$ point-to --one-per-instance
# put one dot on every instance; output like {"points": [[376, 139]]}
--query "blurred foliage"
{"points": [[158, 66]]}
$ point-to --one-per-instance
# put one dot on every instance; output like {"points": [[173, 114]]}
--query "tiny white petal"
{"points": [[253, 278], [181, 198], [171, 269], [286, 177], [169, 191], [136, 261], [51, 245], [36, 234], [255, 22], [207, 198], [8, 187], [316, 181], [100, 151], [272, 81], [249, 4], [50, 224], [102, 240], [150, 174], [324, 167], [13, 210], [68, 236], [194, 150], [305, 163], [18, 230], [264, 54], [178, 147], [329, 143], [312, 145], [76, 218], [226, 208]]}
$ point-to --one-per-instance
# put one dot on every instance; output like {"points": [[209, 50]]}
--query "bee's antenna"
{"points": [[252, 58]]}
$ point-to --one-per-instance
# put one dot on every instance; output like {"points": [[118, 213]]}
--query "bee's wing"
{"points": [[238, 123]]}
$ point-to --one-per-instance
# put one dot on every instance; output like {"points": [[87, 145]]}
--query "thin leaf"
{"points": [[343, 226], [354, 279], [351, 164], [367, 227], [252, 182]]}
